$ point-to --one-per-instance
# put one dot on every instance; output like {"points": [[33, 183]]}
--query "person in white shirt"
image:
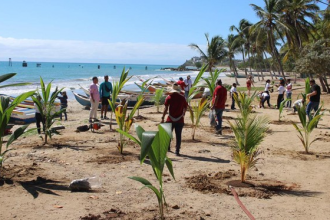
{"points": [[267, 86], [297, 104], [265, 97], [233, 91], [188, 84], [288, 93], [280, 96]]}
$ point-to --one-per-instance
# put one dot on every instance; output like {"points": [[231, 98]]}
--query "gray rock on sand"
{"points": [[80, 185]]}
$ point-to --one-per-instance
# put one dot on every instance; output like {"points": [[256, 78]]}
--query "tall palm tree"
{"points": [[233, 48], [215, 51], [243, 37], [300, 15], [270, 23]]}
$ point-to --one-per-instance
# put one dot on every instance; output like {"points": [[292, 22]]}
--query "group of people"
{"points": [[283, 88], [185, 85], [176, 102], [99, 94]]}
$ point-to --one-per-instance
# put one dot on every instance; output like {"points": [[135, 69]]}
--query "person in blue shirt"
{"points": [[105, 91]]}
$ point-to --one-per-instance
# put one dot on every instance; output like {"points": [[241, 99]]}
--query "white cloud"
{"points": [[92, 51]]}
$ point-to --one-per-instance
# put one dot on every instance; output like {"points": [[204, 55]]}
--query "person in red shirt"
{"points": [[218, 103], [176, 106], [181, 83]]}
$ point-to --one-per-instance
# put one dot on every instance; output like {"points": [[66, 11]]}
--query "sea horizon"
{"points": [[73, 75]]}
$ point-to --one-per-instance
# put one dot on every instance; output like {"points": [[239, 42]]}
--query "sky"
{"points": [[115, 31]]}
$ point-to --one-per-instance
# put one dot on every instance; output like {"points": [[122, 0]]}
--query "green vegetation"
{"points": [[197, 110], [290, 35], [212, 79], [125, 121], [249, 132], [307, 126], [154, 145], [116, 88], [45, 101], [215, 51], [159, 98], [6, 108]]}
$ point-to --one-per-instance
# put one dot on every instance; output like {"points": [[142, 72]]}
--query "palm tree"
{"points": [[298, 14], [215, 50], [233, 48], [270, 23], [243, 37]]}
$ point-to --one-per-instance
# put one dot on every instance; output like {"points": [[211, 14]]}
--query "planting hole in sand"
{"points": [[254, 187]]}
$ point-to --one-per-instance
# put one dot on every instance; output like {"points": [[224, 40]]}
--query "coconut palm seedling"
{"points": [[281, 107], [194, 90], [244, 103], [6, 108], [47, 108], [116, 88], [212, 79], [159, 98], [125, 119], [154, 145], [307, 126], [249, 132], [197, 110]]}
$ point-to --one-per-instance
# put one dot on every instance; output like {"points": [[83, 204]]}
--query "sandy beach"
{"points": [[291, 184]]}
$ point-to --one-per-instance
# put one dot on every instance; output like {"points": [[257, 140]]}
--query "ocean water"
{"points": [[73, 75]]}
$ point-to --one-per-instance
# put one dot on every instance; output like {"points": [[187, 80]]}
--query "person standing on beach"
{"points": [[233, 92], [267, 86], [188, 84], [176, 106], [288, 92], [181, 83], [249, 84], [64, 104], [218, 104], [94, 99], [281, 91], [105, 90], [314, 98]]}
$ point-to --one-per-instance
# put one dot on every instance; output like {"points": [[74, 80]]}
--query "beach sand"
{"points": [[292, 185]]}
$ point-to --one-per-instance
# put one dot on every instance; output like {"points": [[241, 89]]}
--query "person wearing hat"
{"points": [[105, 90], [218, 104], [188, 84], [181, 83], [176, 106]]}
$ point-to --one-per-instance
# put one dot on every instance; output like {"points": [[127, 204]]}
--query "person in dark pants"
{"points": [[218, 103], [281, 91], [105, 91], [265, 98], [233, 92], [39, 118], [64, 104], [314, 98], [176, 106]]}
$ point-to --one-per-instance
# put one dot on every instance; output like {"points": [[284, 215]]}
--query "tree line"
{"points": [[290, 36]]}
